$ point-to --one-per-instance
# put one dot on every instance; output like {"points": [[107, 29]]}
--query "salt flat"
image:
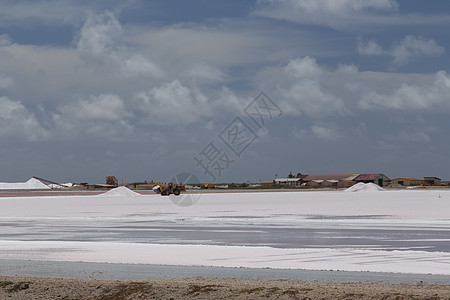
{"points": [[392, 231]]}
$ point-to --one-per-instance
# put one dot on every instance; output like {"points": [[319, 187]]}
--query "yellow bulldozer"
{"points": [[167, 189], [208, 186], [111, 180]]}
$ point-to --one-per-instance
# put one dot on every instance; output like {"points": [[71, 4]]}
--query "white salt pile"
{"points": [[55, 186], [32, 184], [365, 187], [120, 191]]}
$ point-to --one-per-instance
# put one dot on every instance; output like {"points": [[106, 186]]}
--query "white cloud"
{"points": [[304, 68], [44, 73], [299, 88], [48, 12], [349, 15], [5, 40], [329, 7], [101, 116], [432, 95], [416, 134], [173, 103], [222, 44], [334, 13], [327, 132], [412, 46], [5, 81], [52, 12], [17, 122], [204, 72], [137, 65], [98, 108], [303, 87], [98, 33], [99, 43], [299, 132], [404, 51], [115, 62], [102, 61], [369, 48]]}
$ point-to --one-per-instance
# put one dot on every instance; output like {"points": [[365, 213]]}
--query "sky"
{"points": [[229, 91]]}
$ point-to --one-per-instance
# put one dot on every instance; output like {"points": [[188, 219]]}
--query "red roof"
{"points": [[329, 177], [364, 177]]}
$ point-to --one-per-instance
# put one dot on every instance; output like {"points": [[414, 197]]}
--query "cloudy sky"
{"points": [[146, 89]]}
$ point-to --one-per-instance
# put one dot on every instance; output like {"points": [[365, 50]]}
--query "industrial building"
{"points": [[333, 180]]}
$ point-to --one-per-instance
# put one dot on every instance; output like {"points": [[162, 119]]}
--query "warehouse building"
{"points": [[433, 181], [380, 179], [408, 181]]}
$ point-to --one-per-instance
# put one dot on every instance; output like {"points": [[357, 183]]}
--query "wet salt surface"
{"points": [[387, 231], [225, 233]]}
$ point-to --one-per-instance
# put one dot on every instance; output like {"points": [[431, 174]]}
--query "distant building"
{"points": [[333, 180], [288, 181], [268, 183], [337, 177], [328, 180], [408, 181], [380, 179], [433, 181], [345, 183], [318, 183], [348, 180]]}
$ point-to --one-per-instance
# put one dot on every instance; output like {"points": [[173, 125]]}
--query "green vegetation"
{"points": [[6, 283], [14, 287], [124, 291], [251, 291], [291, 292]]}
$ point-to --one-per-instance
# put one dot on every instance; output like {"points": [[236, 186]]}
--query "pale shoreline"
{"points": [[114, 271], [78, 280]]}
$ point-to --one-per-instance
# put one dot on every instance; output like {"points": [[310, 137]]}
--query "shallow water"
{"points": [[313, 232]]}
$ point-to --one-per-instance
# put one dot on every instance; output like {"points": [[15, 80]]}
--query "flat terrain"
{"points": [[393, 231], [28, 288]]}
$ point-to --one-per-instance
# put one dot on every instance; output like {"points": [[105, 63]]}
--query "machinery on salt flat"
{"points": [[111, 180], [208, 186], [166, 189]]}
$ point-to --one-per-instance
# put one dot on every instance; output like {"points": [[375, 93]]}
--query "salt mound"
{"points": [[32, 184], [365, 187], [120, 191]]}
